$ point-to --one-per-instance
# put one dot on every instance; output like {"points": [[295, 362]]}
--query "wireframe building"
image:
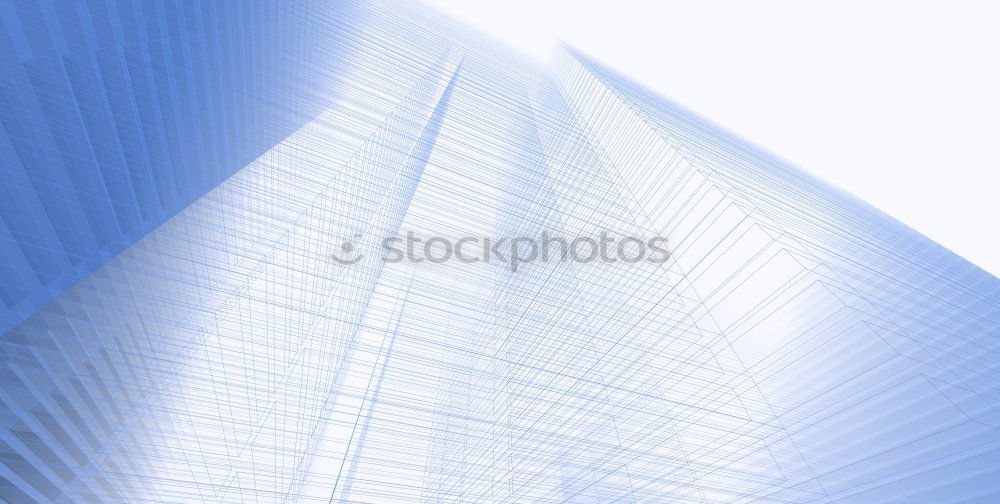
{"points": [[177, 177]]}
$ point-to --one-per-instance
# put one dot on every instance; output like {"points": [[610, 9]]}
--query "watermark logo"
{"points": [[348, 253], [513, 252]]}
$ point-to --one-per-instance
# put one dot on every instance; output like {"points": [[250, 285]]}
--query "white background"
{"points": [[896, 102]]}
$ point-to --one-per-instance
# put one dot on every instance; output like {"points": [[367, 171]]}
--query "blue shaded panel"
{"points": [[118, 114]]}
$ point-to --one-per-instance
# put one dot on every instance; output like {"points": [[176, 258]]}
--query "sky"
{"points": [[895, 102]]}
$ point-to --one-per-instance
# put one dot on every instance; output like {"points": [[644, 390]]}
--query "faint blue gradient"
{"points": [[177, 174]]}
